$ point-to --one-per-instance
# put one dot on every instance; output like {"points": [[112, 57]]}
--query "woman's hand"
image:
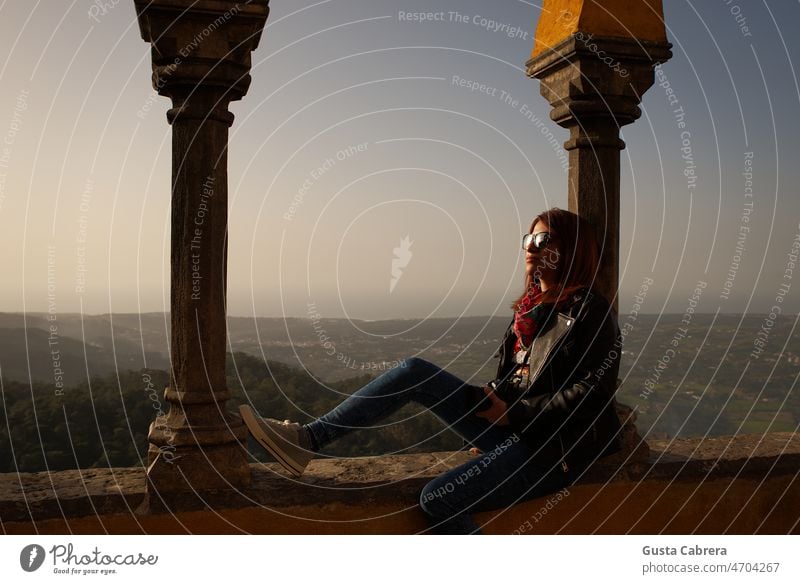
{"points": [[497, 411]]}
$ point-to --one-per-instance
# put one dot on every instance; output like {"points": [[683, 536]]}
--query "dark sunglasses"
{"points": [[539, 240]]}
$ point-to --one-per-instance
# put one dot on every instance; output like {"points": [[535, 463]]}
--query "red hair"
{"points": [[578, 260]]}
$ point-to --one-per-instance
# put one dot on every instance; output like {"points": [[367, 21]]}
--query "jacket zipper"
{"points": [[570, 320], [543, 362], [564, 466]]}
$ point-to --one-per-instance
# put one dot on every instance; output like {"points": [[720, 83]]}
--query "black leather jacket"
{"points": [[568, 409]]}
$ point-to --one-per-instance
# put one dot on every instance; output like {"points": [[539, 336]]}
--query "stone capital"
{"points": [[201, 52], [590, 80]]}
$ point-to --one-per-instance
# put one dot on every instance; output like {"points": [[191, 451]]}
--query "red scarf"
{"points": [[525, 325]]}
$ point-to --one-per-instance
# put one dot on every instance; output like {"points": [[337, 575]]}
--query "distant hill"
{"points": [[692, 382], [33, 352], [335, 348]]}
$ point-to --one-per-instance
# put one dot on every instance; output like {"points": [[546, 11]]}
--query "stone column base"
{"points": [[634, 448], [183, 465]]}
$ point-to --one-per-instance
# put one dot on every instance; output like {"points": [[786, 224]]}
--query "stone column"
{"points": [[201, 61], [595, 59]]}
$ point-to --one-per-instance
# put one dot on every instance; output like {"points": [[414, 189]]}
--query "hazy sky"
{"points": [[85, 161]]}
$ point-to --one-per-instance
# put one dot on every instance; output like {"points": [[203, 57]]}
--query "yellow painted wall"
{"points": [[713, 506], [640, 19]]}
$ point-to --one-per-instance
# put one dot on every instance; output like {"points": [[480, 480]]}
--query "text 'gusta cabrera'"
{"points": [[684, 550]]}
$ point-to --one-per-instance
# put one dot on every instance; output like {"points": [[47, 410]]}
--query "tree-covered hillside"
{"points": [[105, 422]]}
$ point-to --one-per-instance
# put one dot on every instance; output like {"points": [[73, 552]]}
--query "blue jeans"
{"points": [[507, 472]]}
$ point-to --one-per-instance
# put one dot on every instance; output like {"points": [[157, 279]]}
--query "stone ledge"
{"points": [[349, 494]]}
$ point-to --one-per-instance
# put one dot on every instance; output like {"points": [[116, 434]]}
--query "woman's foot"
{"points": [[288, 442]]}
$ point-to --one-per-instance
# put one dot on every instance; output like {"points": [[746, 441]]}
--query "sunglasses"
{"points": [[539, 240]]}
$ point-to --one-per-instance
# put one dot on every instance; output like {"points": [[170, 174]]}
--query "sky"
{"points": [[421, 170]]}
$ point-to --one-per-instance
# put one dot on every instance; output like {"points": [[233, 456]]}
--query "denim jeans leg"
{"points": [[500, 478], [418, 380]]}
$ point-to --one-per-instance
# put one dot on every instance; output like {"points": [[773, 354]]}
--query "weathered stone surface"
{"points": [[372, 489], [634, 447]]}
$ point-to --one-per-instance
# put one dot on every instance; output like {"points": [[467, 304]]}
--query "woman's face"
{"points": [[543, 262]]}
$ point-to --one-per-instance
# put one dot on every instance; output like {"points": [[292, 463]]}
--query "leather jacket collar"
{"points": [[548, 340]]}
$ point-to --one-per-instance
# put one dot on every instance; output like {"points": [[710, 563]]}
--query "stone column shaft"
{"points": [[593, 190], [198, 254]]}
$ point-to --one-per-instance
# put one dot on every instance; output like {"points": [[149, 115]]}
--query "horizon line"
{"points": [[621, 314]]}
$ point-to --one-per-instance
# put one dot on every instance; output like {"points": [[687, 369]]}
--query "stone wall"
{"points": [[744, 484]]}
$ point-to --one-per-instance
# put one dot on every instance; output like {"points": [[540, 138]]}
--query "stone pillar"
{"points": [[595, 59], [201, 61]]}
